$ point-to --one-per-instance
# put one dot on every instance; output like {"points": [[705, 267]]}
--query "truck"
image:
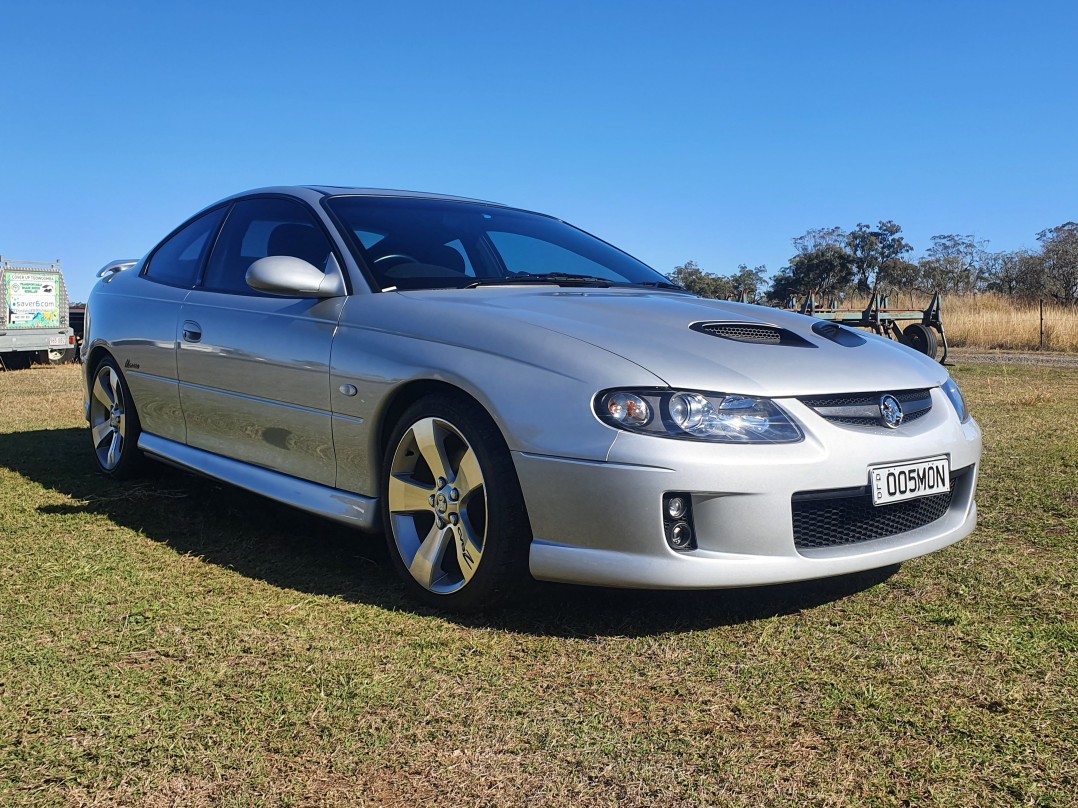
{"points": [[34, 317]]}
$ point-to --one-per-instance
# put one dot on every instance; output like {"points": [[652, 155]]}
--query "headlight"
{"points": [[691, 415], [957, 400]]}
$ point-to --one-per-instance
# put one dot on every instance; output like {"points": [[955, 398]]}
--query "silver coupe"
{"points": [[506, 396]]}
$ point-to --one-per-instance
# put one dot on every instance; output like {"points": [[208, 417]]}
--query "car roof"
{"points": [[312, 193]]}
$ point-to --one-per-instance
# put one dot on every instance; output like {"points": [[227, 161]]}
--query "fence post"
{"points": [[1041, 323]]}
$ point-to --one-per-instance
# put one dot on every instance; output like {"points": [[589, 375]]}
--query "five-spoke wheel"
{"points": [[454, 514], [437, 505], [114, 425]]}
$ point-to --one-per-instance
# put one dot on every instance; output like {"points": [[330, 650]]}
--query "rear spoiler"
{"points": [[113, 267]]}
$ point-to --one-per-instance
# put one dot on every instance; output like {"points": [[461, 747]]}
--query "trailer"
{"points": [[34, 316], [925, 332]]}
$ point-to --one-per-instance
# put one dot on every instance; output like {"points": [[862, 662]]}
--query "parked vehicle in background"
{"points": [[34, 311]]}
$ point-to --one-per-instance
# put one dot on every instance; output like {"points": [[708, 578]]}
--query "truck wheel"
{"points": [[921, 338], [455, 520], [60, 356], [114, 423]]}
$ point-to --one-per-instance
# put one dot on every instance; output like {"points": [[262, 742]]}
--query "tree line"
{"points": [[836, 263]]}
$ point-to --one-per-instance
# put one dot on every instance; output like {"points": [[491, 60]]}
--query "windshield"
{"points": [[434, 244]]}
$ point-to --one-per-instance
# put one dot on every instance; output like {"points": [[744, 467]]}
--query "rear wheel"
{"points": [[60, 356], [454, 514], [114, 423], [921, 338]]}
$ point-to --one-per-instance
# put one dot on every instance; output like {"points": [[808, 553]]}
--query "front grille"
{"points": [[863, 409], [839, 518]]}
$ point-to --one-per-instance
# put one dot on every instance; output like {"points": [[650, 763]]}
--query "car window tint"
{"points": [[179, 258], [257, 228], [535, 257], [408, 243]]}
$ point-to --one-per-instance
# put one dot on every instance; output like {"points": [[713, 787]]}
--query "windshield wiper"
{"points": [[559, 278], [661, 285]]}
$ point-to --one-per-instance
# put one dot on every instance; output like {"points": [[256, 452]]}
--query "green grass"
{"points": [[177, 642]]}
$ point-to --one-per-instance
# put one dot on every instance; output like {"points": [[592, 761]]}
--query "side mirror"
{"points": [[287, 276]]}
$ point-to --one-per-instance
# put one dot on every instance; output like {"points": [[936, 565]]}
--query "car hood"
{"points": [[653, 329]]}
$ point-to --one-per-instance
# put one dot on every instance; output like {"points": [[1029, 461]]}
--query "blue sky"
{"points": [[680, 130]]}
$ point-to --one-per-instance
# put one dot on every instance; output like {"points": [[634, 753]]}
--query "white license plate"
{"points": [[62, 341], [902, 481]]}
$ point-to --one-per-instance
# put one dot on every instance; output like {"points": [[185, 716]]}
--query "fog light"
{"points": [[677, 521], [681, 536]]}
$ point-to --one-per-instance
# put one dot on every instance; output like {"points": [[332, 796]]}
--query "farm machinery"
{"points": [[924, 331]]}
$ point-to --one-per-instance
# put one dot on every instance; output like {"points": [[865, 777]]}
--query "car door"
{"points": [[146, 314], [254, 367]]}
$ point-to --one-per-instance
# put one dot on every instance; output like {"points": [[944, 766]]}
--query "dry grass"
{"points": [[176, 642], [993, 321]]}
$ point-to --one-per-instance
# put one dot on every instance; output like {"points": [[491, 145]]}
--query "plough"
{"points": [[920, 334]]}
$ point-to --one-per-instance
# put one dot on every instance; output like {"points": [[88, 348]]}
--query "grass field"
{"points": [[177, 642], [992, 321]]}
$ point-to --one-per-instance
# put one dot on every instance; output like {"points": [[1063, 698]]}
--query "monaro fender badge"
{"points": [[891, 411]]}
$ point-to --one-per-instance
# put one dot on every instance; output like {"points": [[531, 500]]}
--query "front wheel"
{"points": [[455, 520], [114, 423]]}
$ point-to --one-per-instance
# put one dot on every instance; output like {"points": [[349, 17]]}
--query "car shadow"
{"points": [[287, 548]]}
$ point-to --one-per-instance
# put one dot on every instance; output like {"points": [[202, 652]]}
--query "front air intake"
{"points": [[753, 333]]}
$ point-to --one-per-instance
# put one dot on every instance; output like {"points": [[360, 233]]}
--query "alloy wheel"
{"points": [[437, 505], [108, 419]]}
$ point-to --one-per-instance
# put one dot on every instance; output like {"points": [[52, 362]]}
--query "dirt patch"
{"points": [[959, 356]]}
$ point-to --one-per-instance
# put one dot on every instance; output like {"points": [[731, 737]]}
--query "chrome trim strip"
{"points": [[871, 410], [599, 463], [340, 506]]}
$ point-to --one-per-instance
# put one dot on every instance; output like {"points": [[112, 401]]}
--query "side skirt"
{"points": [[340, 506]]}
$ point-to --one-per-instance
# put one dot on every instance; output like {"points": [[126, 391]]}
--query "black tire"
{"points": [[120, 459], [921, 338], [474, 536], [64, 356]]}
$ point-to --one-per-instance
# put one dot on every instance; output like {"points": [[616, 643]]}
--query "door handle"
{"points": [[192, 331]]}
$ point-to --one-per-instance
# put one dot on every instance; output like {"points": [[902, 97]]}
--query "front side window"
{"points": [[177, 261], [410, 243], [257, 228]]}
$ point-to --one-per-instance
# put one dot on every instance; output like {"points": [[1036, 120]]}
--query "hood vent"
{"points": [[753, 333], [838, 334]]}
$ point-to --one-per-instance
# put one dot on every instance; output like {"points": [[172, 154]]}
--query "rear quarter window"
{"points": [[179, 258]]}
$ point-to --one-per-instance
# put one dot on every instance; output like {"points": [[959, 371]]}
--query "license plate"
{"points": [[57, 341], [902, 481]]}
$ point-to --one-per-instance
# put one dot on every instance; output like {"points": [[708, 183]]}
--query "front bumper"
{"points": [[601, 522]]}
